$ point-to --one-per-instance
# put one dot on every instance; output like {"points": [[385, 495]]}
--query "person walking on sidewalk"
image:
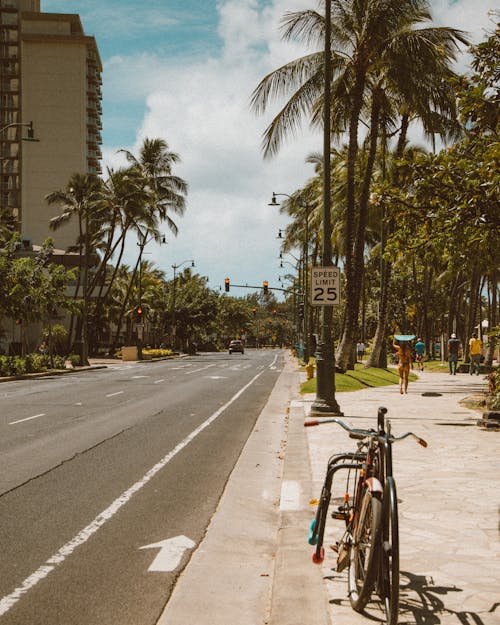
{"points": [[475, 353], [454, 346], [419, 354], [405, 362]]}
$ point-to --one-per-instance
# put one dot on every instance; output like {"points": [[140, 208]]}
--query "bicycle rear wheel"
{"points": [[389, 569], [364, 551]]}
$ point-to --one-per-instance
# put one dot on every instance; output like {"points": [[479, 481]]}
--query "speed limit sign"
{"points": [[325, 286]]}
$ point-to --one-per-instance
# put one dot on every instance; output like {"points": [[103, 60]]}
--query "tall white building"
{"points": [[50, 77]]}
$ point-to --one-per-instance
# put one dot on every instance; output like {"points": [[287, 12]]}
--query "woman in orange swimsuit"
{"points": [[405, 363]]}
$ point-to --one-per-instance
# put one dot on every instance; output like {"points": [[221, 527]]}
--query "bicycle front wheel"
{"points": [[365, 547], [389, 570]]}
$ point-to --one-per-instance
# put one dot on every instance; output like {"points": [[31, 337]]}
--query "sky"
{"points": [[184, 71]]}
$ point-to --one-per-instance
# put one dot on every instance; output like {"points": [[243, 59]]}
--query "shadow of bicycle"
{"points": [[422, 602]]}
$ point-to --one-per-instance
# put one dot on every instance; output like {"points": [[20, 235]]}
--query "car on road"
{"points": [[236, 346]]}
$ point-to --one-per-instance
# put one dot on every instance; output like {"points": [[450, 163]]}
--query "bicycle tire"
{"points": [[364, 551], [389, 570]]}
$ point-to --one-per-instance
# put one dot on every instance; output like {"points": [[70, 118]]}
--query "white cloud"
{"points": [[202, 110], [201, 107]]}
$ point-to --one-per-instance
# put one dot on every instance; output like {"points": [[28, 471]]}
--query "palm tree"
{"points": [[158, 193], [166, 191], [371, 39], [81, 198]]}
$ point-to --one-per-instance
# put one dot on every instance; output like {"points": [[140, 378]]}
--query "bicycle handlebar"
{"points": [[359, 433]]}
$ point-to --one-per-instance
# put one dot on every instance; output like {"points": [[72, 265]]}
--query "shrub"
{"points": [[59, 362], [41, 362], [29, 363], [59, 338], [11, 365], [158, 353], [74, 359], [493, 400], [19, 365]]}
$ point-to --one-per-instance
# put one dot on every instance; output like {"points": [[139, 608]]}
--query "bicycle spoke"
{"points": [[364, 551]]}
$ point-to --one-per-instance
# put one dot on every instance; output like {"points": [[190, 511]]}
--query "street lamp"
{"points": [[174, 328], [325, 402], [307, 208], [144, 239], [30, 137], [29, 125]]}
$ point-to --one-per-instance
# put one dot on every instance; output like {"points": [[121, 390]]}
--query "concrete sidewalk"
{"points": [[254, 566], [449, 502]]}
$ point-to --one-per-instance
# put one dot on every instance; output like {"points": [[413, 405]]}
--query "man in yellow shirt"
{"points": [[475, 352]]}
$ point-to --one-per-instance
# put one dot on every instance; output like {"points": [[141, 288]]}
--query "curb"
{"points": [[44, 374]]}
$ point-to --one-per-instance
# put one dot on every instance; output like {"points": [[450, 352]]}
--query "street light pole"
{"points": [[306, 207], [174, 328], [30, 137], [325, 402]]}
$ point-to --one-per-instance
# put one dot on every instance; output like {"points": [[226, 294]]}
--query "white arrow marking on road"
{"points": [[171, 552]]}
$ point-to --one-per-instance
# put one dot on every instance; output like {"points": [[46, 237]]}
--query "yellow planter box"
{"points": [[129, 353]]}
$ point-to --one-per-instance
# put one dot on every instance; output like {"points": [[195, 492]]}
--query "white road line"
{"points": [[158, 381], [113, 394], [27, 418], [7, 602], [197, 370]]}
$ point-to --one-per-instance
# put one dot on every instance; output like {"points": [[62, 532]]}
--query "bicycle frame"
{"points": [[370, 543]]}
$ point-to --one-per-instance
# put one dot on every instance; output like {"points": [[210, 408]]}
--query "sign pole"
{"points": [[325, 402]]}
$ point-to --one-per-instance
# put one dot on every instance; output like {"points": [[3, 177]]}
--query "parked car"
{"points": [[236, 346]]}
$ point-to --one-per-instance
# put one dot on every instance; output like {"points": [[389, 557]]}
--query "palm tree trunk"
{"points": [[346, 355], [378, 357], [492, 316], [125, 304]]}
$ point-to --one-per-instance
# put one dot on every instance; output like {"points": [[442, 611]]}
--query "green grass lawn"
{"points": [[358, 379]]}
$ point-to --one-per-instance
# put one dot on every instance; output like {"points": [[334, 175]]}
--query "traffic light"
{"points": [[265, 286], [275, 312], [226, 285], [254, 310], [139, 311], [18, 322]]}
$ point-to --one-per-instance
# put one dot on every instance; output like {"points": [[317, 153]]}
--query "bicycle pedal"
{"points": [[312, 539], [342, 560], [335, 547], [339, 516]]}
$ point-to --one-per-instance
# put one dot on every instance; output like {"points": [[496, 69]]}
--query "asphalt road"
{"points": [[109, 478]]}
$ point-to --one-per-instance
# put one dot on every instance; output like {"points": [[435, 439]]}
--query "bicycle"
{"points": [[369, 547]]}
